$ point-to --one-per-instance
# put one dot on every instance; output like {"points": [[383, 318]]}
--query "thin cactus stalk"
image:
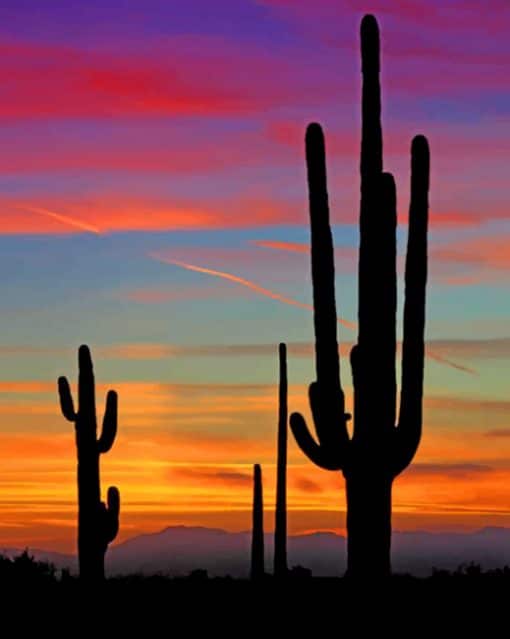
{"points": [[280, 531], [379, 449], [98, 523], [257, 540]]}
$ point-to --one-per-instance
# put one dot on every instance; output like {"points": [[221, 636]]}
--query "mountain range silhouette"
{"points": [[178, 550]]}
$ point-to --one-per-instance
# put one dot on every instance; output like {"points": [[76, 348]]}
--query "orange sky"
{"points": [[180, 459]]}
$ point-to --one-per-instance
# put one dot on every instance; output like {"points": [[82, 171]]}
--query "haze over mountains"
{"points": [[179, 550]]}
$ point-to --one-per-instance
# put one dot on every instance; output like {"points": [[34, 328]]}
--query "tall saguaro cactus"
{"points": [[378, 450], [280, 530], [98, 523], [257, 540]]}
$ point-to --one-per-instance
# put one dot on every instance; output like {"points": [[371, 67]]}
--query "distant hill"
{"points": [[180, 549]]}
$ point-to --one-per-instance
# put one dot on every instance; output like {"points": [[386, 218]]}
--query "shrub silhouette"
{"points": [[300, 572], [198, 574], [25, 569], [378, 451], [280, 530], [98, 523], [257, 539]]}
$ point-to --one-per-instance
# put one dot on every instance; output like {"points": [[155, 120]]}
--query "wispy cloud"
{"points": [[293, 247], [211, 475], [466, 349], [175, 294], [448, 470], [473, 261], [306, 485], [473, 349], [498, 433]]}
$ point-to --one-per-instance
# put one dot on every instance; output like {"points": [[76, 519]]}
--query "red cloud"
{"points": [[190, 76]]}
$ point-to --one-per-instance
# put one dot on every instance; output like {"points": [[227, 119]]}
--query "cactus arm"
{"points": [[316, 454], [323, 266], [408, 433], [112, 511], [66, 399], [109, 429], [86, 388], [383, 339], [325, 317], [329, 409]]}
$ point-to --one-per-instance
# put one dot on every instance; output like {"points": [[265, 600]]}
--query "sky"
{"points": [[153, 205]]}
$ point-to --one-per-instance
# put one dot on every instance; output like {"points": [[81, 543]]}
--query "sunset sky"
{"points": [[153, 205]]}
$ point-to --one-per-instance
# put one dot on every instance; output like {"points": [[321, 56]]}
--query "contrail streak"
{"points": [[288, 300], [65, 219], [442, 360], [240, 280]]}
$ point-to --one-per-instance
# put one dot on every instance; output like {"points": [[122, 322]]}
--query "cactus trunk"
{"points": [[379, 449], [368, 524], [280, 531], [98, 522], [257, 540], [90, 551]]}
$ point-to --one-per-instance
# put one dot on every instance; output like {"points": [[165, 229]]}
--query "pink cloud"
{"points": [[107, 213]]}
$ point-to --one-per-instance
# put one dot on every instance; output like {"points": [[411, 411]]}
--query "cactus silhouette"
{"points": [[257, 539], [378, 450], [280, 530], [98, 523]]}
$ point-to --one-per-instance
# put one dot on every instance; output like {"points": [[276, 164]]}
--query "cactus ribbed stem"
{"points": [[379, 449], [280, 531], [98, 523], [257, 541]]}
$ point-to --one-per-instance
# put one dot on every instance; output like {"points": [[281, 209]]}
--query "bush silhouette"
{"points": [[25, 569]]}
